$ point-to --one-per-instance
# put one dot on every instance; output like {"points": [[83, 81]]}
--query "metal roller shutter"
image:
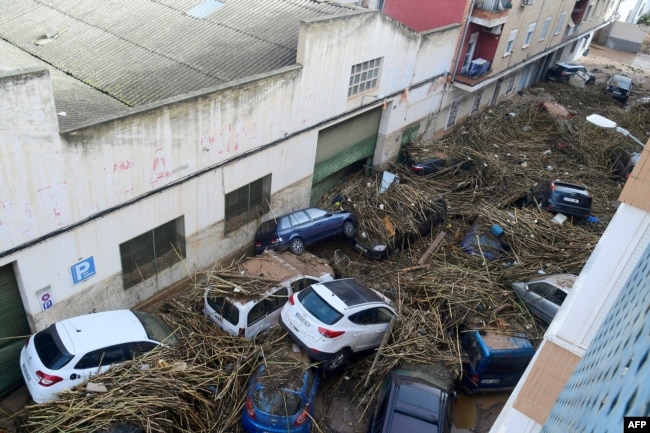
{"points": [[13, 330]]}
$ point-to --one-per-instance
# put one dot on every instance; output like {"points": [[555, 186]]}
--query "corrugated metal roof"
{"points": [[141, 51]]}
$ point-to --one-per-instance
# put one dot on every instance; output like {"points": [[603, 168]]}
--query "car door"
{"points": [[322, 224], [537, 299], [97, 362], [301, 226], [369, 327]]}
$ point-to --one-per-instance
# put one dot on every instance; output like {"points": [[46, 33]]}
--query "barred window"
{"points": [[247, 203], [364, 76]]}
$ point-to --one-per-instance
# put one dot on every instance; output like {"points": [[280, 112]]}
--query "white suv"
{"points": [[333, 319]]}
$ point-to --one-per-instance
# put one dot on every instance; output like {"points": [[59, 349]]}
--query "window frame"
{"points": [[544, 33], [510, 45], [247, 203], [364, 76], [560, 23], [530, 34], [144, 256]]}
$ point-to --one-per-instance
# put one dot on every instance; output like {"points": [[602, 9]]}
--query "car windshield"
{"points": [[318, 308], [50, 348], [155, 328], [277, 401]]}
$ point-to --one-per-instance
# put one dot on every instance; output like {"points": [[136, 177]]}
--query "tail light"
{"points": [[417, 169], [258, 243], [46, 380], [303, 417], [475, 378], [328, 333], [250, 410], [291, 300]]}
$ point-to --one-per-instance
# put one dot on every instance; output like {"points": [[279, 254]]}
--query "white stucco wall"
{"points": [[68, 197]]}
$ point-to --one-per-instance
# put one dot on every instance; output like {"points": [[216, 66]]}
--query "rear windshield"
{"points": [[278, 402], [267, 227], [224, 308], [155, 328], [318, 307], [50, 348]]}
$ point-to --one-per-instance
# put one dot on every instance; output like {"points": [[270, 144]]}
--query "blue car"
{"points": [[303, 227], [280, 398]]}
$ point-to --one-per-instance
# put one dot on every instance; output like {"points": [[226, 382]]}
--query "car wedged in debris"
{"points": [[562, 72], [71, 351], [619, 86], [562, 197], [413, 400], [544, 296], [334, 319], [280, 398], [295, 230], [247, 314]]}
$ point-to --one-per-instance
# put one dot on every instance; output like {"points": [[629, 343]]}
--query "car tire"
{"points": [[348, 229], [297, 246], [337, 361]]}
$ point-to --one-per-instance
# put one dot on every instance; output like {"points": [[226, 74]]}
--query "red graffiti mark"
{"points": [[123, 165], [159, 167], [56, 212]]}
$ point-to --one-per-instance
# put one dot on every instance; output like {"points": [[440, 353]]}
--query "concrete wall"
{"points": [[65, 198]]}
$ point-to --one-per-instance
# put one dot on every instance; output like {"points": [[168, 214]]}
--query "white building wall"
{"points": [[65, 198]]}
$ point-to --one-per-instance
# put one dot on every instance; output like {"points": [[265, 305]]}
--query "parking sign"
{"points": [[82, 270]]}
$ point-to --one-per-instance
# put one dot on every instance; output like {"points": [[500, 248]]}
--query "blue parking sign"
{"points": [[82, 270]]}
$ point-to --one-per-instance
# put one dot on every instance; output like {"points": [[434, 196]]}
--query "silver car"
{"points": [[544, 295]]}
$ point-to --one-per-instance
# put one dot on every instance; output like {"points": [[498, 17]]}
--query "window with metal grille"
{"points": [[247, 203], [364, 76], [149, 253]]}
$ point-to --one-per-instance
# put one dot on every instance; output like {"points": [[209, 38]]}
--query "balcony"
{"points": [[491, 13]]}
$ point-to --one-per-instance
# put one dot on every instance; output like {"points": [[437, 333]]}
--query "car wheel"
{"points": [[337, 361], [348, 229], [297, 246]]}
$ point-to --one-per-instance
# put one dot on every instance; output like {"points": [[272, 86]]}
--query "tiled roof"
{"points": [[137, 52]]}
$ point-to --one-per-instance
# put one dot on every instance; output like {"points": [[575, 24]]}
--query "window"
{"points": [[560, 23], [529, 35], [542, 289], [371, 316], [364, 76], [247, 203], [588, 14], [557, 297], [511, 42], [298, 218], [101, 357], [511, 84], [453, 112], [547, 24], [224, 308], [145, 255]]}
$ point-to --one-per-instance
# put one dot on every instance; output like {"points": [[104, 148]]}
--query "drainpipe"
{"points": [[462, 42]]}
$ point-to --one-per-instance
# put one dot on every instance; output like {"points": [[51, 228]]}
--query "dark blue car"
{"points": [[297, 229], [280, 398]]}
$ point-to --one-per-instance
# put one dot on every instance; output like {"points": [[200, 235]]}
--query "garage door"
{"points": [[341, 146], [13, 330]]}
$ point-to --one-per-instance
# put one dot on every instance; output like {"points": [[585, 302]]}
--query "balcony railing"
{"points": [[494, 5]]}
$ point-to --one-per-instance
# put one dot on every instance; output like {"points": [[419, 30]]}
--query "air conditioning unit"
{"points": [[496, 30], [527, 2]]}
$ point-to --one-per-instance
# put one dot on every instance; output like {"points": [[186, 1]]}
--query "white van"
{"points": [[246, 299]]}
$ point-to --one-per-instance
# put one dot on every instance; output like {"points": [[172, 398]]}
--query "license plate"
{"points": [[302, 320], [571, 200], [489, 381], [26, 373]]}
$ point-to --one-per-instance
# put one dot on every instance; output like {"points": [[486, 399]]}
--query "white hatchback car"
{"points": [[70, 351], [334, 319]]}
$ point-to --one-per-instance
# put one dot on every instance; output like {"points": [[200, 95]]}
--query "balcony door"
{"points": [[469, 54]]}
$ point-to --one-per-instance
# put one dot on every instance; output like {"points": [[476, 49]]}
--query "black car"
{"points": [[619, 86], [297, 229], [562, 197], [562, 72], [434, 165], [413, 400]]}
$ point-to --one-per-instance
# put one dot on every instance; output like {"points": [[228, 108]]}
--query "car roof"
{"points": [[351, 292], [82, 334], [619, 80]]}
